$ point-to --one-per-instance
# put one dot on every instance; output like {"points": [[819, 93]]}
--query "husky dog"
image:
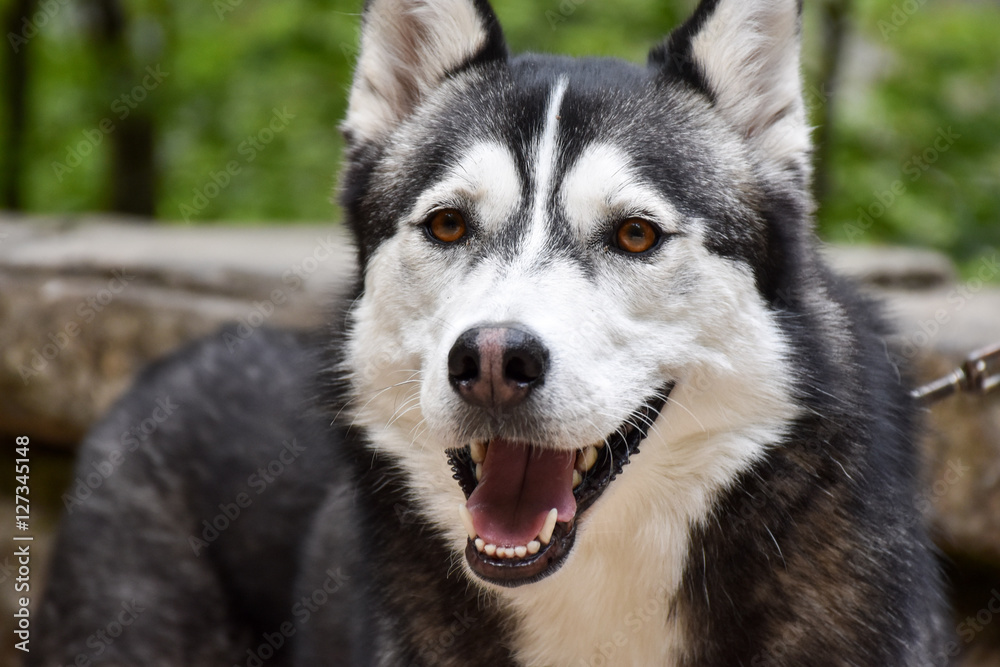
{"points": [[596, 399]]}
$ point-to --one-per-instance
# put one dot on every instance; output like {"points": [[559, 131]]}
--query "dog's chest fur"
{"points": [[612, 605]]}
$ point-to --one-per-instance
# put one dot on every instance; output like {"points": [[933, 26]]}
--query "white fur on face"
{"points": [[546, 156], [601, 187], [485, 180]]}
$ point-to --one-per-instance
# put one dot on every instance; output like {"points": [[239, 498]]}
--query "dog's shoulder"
{"points": [[215, 458], [207, 387]]}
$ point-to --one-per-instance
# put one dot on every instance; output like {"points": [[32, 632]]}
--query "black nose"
{"points": [[497, 366]]}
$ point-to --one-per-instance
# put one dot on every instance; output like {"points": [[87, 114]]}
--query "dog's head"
{"points": [[566, 261]]}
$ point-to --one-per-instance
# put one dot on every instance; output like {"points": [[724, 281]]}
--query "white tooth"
{"points": [[534, 546], [478, 450], [480, 544], [466, 517], [508, 552], [550, 524], [577, 478], [521, 552], [479, 471], [586, 458], [490, 549]]}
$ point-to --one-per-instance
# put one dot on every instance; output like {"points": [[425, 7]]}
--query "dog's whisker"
{"points": [[673, 401], [377, 393], [406, 408]]}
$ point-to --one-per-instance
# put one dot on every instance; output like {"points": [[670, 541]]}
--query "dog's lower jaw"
{"points": [[518, 565]]}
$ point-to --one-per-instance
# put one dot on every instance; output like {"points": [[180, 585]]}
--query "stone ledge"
{"points": [[230, 261], [892, 267], [85, 303]]}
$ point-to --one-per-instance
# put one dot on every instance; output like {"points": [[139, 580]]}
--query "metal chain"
{"points": [[980, 374]]}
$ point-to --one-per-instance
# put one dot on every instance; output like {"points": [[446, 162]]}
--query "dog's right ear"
{"points": [[408, 47]]}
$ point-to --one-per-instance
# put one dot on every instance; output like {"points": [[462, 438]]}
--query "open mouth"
{"points": [[524, 501]]}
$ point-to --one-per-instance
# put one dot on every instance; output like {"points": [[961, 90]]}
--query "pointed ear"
{"points": [[744, 55], [408, 47]]}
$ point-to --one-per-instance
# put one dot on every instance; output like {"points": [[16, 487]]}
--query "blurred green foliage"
{"points": [[911, 69], [912, 78]]}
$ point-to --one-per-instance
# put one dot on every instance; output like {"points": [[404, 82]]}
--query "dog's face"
{"points": [[567, 261]]}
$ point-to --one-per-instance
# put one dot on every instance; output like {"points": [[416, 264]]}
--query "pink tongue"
{"points": [[518, 488]]}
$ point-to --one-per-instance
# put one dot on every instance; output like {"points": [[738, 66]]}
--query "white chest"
{"points": [[611, 602]]}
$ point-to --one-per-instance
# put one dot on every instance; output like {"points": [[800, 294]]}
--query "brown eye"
{"points": [[446, 225], [636, 235]]}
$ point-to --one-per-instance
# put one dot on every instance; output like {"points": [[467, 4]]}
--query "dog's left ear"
{"points": [[744, 55], [408, 47]]}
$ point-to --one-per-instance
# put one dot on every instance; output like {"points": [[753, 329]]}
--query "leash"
{"points": [[979, 374]]}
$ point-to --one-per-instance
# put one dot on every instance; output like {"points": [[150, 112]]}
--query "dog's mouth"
{"points": [[524, 501]]}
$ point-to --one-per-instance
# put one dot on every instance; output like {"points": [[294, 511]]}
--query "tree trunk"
{"points": [[11, 194], [133, 155], [835, 19]]}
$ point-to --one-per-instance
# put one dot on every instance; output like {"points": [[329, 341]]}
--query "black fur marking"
{"points": [[675, 58], [495, 46], [437, 619]]}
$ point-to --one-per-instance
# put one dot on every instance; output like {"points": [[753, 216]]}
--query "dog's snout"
{"points": [[496, 366]]}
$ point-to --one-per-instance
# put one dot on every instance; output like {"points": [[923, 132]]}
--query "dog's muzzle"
{"points": [[524, 499]]}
